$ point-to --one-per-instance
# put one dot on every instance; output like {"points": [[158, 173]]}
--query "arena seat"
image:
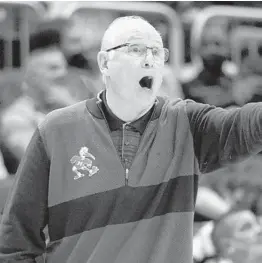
{"points": [[10, 86]]}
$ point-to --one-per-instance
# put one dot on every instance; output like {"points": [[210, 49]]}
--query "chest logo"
{"points": [[83, 164]]}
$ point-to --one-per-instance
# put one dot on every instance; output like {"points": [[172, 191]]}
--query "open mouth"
{"points": [[146, 82]]}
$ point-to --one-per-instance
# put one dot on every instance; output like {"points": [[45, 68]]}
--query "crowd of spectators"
{"points": [[62, 70]]}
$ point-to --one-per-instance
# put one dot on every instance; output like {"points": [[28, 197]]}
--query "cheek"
{"points": [[159, 77], [122, 69]]}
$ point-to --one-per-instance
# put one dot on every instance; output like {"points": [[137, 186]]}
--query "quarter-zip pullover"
{"points": [[72, 179]]}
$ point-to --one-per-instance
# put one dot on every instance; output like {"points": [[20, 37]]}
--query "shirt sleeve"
{"points": [[25, 215], [222, 136]]}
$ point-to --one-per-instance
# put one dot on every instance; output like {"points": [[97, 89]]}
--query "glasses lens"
{"points": [[136, 50], [140, 51], [160, 54]]}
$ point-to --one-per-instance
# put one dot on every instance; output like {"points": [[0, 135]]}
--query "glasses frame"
{"points": [[128, 44]]}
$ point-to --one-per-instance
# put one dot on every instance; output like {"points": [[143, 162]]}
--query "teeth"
{"points": [[146, 82]]}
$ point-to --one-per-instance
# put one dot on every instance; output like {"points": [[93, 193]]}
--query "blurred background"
{"points": [[48, 61]]}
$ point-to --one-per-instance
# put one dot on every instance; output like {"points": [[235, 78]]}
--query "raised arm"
{"points": [[222, 136], [25, 214]]}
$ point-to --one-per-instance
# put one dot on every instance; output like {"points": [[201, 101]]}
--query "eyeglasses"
{"points": [[140, 50]]}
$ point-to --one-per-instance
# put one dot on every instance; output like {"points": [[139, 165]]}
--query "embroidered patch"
{"points": [[82, 163]]}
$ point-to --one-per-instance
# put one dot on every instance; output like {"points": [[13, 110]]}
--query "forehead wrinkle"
{"points": [[122, 31], [136, 34], [154, 41]]}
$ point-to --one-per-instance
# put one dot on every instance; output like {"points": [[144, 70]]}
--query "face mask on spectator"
{"points": [[213, 62], [79, 61]]}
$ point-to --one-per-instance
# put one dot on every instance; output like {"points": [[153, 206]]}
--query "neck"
{"points": [[125, 110]]}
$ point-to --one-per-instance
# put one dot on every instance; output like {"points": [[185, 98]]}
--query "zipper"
{"points": [[126, 178], [142, 137], [109, 131], [123, 141], [122, 154]]}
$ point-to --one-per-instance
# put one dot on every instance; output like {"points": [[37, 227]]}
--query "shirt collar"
{"points": [[116, 124], [99, 109]]}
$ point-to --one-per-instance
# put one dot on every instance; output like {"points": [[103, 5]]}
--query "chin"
{"points": [[146, 96]]}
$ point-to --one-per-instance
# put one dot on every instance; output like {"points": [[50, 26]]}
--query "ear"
{"points": [[102, 60]]}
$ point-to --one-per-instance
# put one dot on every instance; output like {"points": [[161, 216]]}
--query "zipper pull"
{"points": [[126, 178]]}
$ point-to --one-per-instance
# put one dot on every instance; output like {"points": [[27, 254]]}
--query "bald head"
{"points": [[123, 29]]}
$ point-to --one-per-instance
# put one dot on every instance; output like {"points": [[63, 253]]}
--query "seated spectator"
{"points": [[81, 39], [234, 238], [212, 85], [247, 86], [41, 93]]}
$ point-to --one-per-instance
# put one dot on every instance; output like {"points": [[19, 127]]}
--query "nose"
{"points": [[148, 61]]}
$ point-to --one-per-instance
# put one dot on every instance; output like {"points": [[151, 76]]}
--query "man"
{"points": [[212, 83], [249, 75], [81, 38], [40, 92], [235, 238], [115, 177]]}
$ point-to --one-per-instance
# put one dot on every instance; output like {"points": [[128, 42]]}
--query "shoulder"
{"points": [[189, 109], [64, 116], [192, 107], [179, 104], [173, 109]]}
